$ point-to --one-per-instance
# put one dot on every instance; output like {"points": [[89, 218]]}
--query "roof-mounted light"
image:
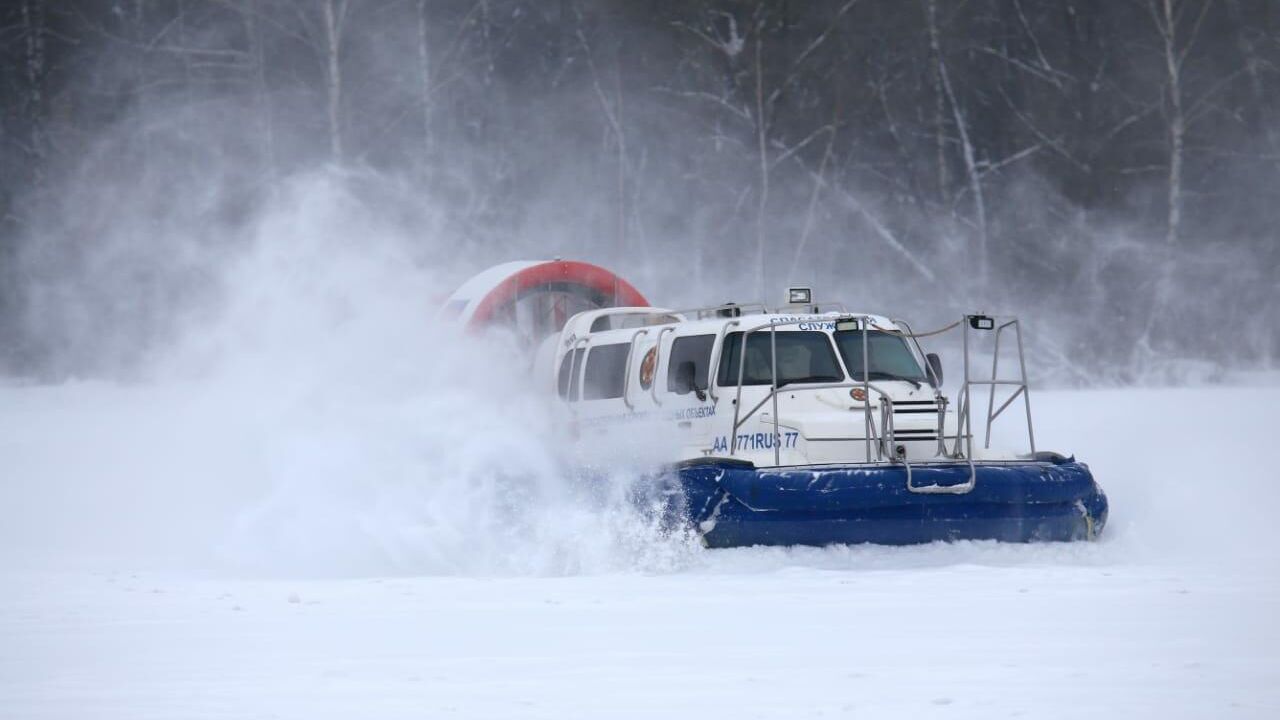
{"points": [[982, 322], [799, 296]]}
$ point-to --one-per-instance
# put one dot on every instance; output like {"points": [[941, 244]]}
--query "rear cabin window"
{"points": [[572, 361], [605, 376], [692, 348], [803, 357]]}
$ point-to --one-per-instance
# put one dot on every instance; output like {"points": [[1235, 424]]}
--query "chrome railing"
{"points": [[881, 436], [869, 425], [884, 436]]}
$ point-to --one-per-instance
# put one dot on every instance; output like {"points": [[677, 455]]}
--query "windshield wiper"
{"points": [[881, 375]]}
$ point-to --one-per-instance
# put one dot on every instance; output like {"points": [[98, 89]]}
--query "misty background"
{"points": [[1107, 169]]}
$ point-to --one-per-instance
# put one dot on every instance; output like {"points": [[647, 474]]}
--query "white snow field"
{"points": [[158, 564]]}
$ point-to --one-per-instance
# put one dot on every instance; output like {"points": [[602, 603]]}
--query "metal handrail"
{"points": [[964, 425], [910, 334], [886, 424], [626, 371], [866, 377], [884, 435], [773, 368], [739, 421], [759, 308], [573, 369], [886, 441], [773, 325], [835, 305], [626, 312], [703, 312], [1026, 390], [713, 370], [964, 402], [653, 388], [942, 424], [1022, 390]]}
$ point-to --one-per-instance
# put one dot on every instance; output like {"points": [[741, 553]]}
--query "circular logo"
{"points": [[648, 367]]}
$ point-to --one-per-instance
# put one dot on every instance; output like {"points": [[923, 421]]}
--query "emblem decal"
{"points": [[648, 367]]}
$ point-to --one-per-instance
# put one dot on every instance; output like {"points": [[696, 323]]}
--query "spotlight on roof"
{"points": [[799, 296]]}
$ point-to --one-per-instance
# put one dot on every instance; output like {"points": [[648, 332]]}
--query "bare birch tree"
{"points": [[424, 79], [33, 35], [335, 16], [981, 260], [1175, 44]]}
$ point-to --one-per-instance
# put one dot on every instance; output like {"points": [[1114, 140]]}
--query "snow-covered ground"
{"points": [[155, 565]]}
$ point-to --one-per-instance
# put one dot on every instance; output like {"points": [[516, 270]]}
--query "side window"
{"points": [[605, 375], [691, 348], [571, 360]]}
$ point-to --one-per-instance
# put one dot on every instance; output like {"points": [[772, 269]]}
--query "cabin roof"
{"points": [[579, 326]]}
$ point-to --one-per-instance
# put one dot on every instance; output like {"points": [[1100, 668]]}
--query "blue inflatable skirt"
{"points": [[731, 503]]}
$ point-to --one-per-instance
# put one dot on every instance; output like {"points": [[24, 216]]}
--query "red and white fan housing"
{"points": [[536, 298]]}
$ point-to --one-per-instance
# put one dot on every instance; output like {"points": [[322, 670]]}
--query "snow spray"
{"points": [[317, 420]]}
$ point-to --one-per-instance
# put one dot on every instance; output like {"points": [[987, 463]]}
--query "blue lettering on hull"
{"points": [[756, 441]]}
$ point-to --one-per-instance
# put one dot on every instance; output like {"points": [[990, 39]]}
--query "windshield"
{"points": [[888, 355], [803, 357]]}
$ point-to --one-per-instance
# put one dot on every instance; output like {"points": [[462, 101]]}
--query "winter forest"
{"points": [[1109, 169]]}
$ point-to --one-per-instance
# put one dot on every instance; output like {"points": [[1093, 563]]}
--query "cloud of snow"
{"points": [[314, 417]]}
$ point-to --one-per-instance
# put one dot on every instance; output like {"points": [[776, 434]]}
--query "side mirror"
{"points": [[935, 368], [686, 380]]}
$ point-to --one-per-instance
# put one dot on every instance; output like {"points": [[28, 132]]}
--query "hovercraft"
{"points": [[809, 424]]}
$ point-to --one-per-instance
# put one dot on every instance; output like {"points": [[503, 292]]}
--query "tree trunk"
{"points": [[939, 106], [622, 165], [616, 123], [141, 78], [424, 84], [1166, 23], [1254, 63], [33, 19], [762, 197], [979, 266], [1177, 128], [333, 77], [261, 93]]}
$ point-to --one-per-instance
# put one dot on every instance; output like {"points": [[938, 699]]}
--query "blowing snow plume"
{"points": [[313, 417]]}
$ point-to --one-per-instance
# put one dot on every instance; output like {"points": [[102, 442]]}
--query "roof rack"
{"points": [[732, 310], [616, 318], [727, 310], [815, 308]]}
